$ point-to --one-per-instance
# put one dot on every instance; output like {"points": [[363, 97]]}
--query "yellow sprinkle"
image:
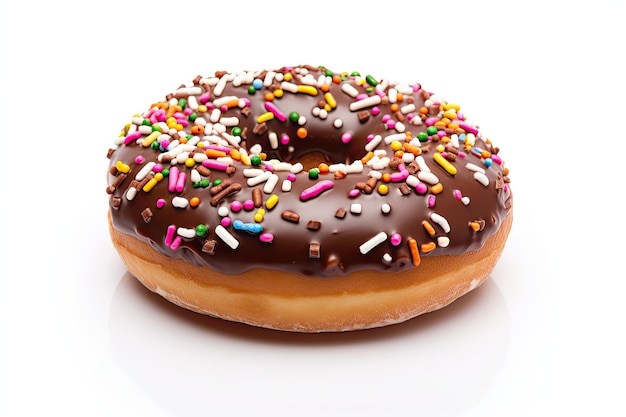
{"points": [[258, 216], [451, 106], [367, 157], [278, 93], [122, 167], [444, 163], [330, 100], [271, 201], [383, 189], [158, 176], [450, 114], [265, 117], [189, 162], [150, 138], [440, 148], [202, 108], [150, 185], [245, 159], [396, 145], [288, 76], [307, 89]]}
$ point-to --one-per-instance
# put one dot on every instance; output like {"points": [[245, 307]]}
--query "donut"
{"points": [[307, 200]]}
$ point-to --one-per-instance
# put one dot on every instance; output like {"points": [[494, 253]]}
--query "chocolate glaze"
{"points": [[331, 246]]}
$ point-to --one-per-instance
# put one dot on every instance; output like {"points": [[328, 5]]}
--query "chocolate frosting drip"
{"points": [[409, 175]]}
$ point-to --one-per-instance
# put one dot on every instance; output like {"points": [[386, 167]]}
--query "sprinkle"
{"points": [[481, 178], [356, 208], [444, 163], [122, 167], [143, 173], [396, 239], [271, 202], [414, 252], [258, 216], [372, 243], [271, 107], [314, 251], [209, 246], [364, 103], [316, 190], [385, 208], [313, 225], [169, 236], [427, 177], [185, 232], [290, 216], [253, 228], [429, 228], [428, 247], [180, 202], [160, 203], [340, 213], [441, 221], [430, 201], [259, 179], [225, 235], [176, 243], [443, 241], [266, 237], [349, 90], [307, 89], [225, 192]]}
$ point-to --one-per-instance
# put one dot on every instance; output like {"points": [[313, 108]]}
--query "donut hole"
{"points": [[313, 160]]}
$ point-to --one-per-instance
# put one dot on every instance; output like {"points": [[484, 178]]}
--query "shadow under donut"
{"points": [[192, 365]]}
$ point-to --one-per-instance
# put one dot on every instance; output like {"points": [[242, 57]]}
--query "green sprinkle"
{"points": [[217, 182], [182, 103], [431, 130], [156, 128], [165, 172], [146, 122], [193, 117], [371, 80], [201, 230], [154, 145], [314, 173], [255, 160], [251, 90], [294, 116], [236, 131], [422, 136]]}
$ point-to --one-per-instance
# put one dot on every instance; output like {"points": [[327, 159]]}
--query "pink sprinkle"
{"points": [[176, 243], [421, 188], [457, 194], [361, 96], [396, 239], [468, 128], [180, 184], [375, 111], [160, 203], [346, 137], [204, 98], [291, 177], [316, 190], [399, 176], [431, 121], [284, 139], [173, 178], [391, 124], [139, 160], [431, 201], [169, 236], [271, 107], [354, 193], [462, 154], [226, 221], [248, 205], [213, 164], [441, 133], [495, 158], [236, 206], [266, 237], [386, 118], [132, 137], [157, 168]]}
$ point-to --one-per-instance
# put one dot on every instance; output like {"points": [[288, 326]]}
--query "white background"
{"points": [[543, 336]]}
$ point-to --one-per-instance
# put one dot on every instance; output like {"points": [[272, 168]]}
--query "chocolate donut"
{"points": [[289, 192]]}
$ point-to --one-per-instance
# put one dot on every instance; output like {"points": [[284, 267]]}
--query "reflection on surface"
{"points": [[192, 365]]}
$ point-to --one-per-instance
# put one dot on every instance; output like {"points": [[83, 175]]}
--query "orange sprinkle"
{"points": [[429, 228], [183, 140], [428, 247], [454, 126], [214, 153], [400, 97], [437, 188], [263, 156], [323, 168], [235, 154], [269, 96], [398, 153], [474, 226], [485, 154], [414, 252], [367, 157], [194, 202], [325, 88], [197, 130], [336, 79], [423, 110], [394, 107], [302, 133], [339, 174], [415, 150], [386, 177]]}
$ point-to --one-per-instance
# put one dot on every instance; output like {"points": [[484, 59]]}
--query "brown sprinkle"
{"points": [[146, 214], [314, 251], [340, 213], [314, 225], [257, 197], [209, 246], [290, 216]]}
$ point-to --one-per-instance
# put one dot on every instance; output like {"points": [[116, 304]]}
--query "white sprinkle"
{"points": [[269, 186], [349, 90], [443, 241], [364, 103], [252, 172], [454, 140], [145, 171], [145, 130], [195, 175], [225, 235], [474, 168], [338, 123], [222, 211], [355, 167], [229, 121], [400, 127], [180, 202], [255, 149], [280, 166], [215, 116], [287, 86], [408, 157], [223, 100], [395, 136], [286, 186], [337, 167], [412, 181], [131, 193], [465, 200], [428, 177], [296, 168], [199, 157], [372, 144], [387, 258], [393, 95], [259, 179], [441, 221], [184, 232], [404, 89], [421, 163], [187, 91], [376, 174], [373, 242], [407, 109], [273, 138], [355, 208], [385, 208], [481, 178], [192, 102], [269, 78]]}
